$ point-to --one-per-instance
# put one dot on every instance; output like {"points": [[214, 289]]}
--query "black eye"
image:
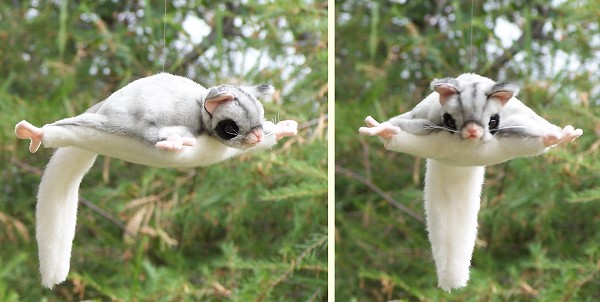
{"points": [[227, 129], [449, 121], [494, 123]]}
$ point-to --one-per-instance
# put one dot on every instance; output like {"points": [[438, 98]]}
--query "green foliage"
{"points": [[249, 229], [538, 225]]}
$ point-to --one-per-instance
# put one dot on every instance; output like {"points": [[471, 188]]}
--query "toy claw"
{"points": [[567, 135], [25, 130], [286, 128], [384, 130], [175, 143]]}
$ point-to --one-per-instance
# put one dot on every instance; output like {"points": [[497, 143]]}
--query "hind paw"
{"points": [[25, 130]]}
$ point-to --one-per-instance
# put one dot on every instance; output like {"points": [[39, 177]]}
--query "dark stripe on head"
{"points": [[459, 100], [246, 113], [252, 99], [246, 93], [257, 106]]}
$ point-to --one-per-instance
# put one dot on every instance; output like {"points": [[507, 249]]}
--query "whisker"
{"points": [[233, 132], [512, 127], [434, 126], [239, 137]]}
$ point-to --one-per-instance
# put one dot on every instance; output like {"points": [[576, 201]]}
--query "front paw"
{"points": [[286, 128], [384, 130], [567, 135], [175, 143]]}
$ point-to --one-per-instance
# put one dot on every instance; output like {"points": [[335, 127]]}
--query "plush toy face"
{"points": [[236, 114], [472, 109]]}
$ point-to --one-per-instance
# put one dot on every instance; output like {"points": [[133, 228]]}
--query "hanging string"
{"points": [[164, 49], [471, 38]]}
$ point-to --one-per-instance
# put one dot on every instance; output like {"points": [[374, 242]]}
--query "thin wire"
{"points": [[164, 51], [471, 38]]}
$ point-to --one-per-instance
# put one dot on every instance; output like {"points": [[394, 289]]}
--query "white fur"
{"points": [[206, 151], [56, 211], [58, 196], [127, 125], [453, 182], [456, 166], [453, 150], [452, 196]]}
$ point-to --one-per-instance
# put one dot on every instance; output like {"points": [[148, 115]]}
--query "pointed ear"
{"points": [[445, 87], [260, 91], [217, 96], [503, 92]]}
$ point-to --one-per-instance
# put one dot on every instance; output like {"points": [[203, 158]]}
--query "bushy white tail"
{"points": [[452, 198], [56, 211]]}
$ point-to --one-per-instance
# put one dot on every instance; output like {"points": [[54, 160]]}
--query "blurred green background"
{"points": [[249, 229], [539, 223]]}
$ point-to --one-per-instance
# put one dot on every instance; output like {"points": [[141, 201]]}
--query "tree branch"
{"points": [[312, 122], [98, 210], [380, 192]]}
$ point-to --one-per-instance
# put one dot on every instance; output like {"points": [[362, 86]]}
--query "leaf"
{"points": [[303, 190], [62, 29], [585, 196]]}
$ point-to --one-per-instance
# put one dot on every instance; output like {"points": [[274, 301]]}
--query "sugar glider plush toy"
{"points": [[467, 123], [162, 121]]}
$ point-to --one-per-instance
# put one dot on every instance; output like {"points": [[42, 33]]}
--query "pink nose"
{"points": [[472, 131], [256, 136]]}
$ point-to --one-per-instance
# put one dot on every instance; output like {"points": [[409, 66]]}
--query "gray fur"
{"points": [[152, 108], [450, 81], [473, 103], [504, 86]]}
